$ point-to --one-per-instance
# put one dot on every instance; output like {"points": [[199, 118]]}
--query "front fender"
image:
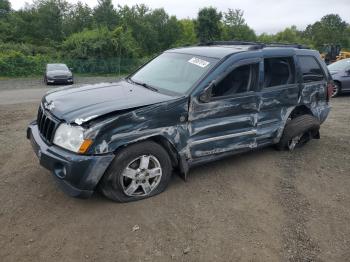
{"points": [[167, 120]]}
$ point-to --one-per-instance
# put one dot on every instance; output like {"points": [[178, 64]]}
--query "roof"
{"points": [[221, 49]]}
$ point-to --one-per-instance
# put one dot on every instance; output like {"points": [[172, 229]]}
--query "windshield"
{"points": [[52, 67], [340, 65], [174, 72]]}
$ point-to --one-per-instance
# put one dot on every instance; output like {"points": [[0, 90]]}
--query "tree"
{"points": [[100, 43], [187, 33], [154, 30], [105, 15], [291, 35], [5, 26], [236, 28], [331, 29], [78, 18], [167, 28], [40, 23], [135, 19], [266, 38], [5, 8], [208, 24], [234, 18]]}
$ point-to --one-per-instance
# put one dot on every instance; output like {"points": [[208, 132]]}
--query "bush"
{"points": [[112, 65], [15, 63]]}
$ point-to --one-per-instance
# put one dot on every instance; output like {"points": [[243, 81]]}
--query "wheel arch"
{"points": [[338, 82], [178, 162], [300, 110]]}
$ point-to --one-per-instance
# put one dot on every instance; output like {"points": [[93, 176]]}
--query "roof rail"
{"points": [[253, 45], [299, 46]]}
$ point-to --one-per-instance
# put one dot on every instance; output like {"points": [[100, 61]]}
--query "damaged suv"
{"points": [[185, 107]]}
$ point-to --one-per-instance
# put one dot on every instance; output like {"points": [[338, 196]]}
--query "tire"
{"points": [[118, 186], [298, 132], [336, 89]]}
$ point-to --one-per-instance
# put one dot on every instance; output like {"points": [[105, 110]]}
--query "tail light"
{"points": [[330, 87]]}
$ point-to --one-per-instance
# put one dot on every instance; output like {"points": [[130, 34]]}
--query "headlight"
{"points": [[71, 138]]}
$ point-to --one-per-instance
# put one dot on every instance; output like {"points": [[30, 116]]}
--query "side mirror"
{"points": [[71, 68], [205, 96]]}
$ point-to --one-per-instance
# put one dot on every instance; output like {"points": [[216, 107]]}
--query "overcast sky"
{"points": [[268, 16]]}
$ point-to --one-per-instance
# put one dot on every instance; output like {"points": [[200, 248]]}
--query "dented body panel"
{"points": [[116, 115]]}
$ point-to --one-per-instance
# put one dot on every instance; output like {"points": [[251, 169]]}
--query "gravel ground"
{"points": [[260, 206]]}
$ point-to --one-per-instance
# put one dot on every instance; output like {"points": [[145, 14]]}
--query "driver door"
{"points": [[227, 121]]}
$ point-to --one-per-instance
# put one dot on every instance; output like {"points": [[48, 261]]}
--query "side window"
{"points": [[241, 79], [279, 71], [310, 69]]}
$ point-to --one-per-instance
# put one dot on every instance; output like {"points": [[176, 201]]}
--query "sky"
{"points": [[268, 16]]}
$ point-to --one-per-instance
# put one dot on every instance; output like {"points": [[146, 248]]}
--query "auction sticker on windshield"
{"points": [[198, 62]]}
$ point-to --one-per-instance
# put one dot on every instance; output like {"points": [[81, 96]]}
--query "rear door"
{"points": [[228, 121], [314, 80], [279, 93]]}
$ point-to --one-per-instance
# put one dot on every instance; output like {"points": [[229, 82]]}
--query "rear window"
{"points": [[310, 69], [279, 71]]}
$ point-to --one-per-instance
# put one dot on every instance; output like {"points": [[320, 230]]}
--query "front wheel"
{"points": [[138, 171], [336, 89]]}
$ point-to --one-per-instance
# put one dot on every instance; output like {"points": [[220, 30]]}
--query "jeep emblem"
{"points": [[49, 105]]}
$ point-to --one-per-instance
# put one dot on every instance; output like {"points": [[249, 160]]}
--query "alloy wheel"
{"points": [[141, 176]]}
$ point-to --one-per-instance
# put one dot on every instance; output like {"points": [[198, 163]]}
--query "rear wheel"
{"points": [[139, 171], [298, 131]]}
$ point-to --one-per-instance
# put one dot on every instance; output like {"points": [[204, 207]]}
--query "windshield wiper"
{"points": [[143, 84]]}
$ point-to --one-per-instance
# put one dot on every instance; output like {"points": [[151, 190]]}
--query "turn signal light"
{"points": [[85, 146]]}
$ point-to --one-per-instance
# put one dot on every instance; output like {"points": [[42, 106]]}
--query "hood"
{"points": [[87, 102], [59, 73]]}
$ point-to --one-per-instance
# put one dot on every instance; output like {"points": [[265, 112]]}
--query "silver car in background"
{"points": [[58, 74], [340, 72]]}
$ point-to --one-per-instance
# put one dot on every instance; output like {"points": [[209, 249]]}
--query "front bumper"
{"points": [[77, 175], [59, 81]]}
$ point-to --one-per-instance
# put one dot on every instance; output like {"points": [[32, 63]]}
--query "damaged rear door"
{"points": [[226, 119], [279, 94]]}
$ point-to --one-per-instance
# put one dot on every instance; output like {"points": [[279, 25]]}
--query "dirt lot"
{"points": [[260, 206]]}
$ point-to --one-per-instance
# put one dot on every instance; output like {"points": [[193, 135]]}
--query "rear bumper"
{"points": [[77, 175], [321, 111]]}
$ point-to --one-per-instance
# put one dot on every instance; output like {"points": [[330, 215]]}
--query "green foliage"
{"points": [[100, 43], [236, 28], [331, 29], [109, 39], [208, 25], [288, 35], [78, 17], [101, 51], [5, 8], [105, 15], [15, 63], [187, 35]]}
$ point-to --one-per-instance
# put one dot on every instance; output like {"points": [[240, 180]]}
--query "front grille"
{"points": [[46, 124], [60, 77]]}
